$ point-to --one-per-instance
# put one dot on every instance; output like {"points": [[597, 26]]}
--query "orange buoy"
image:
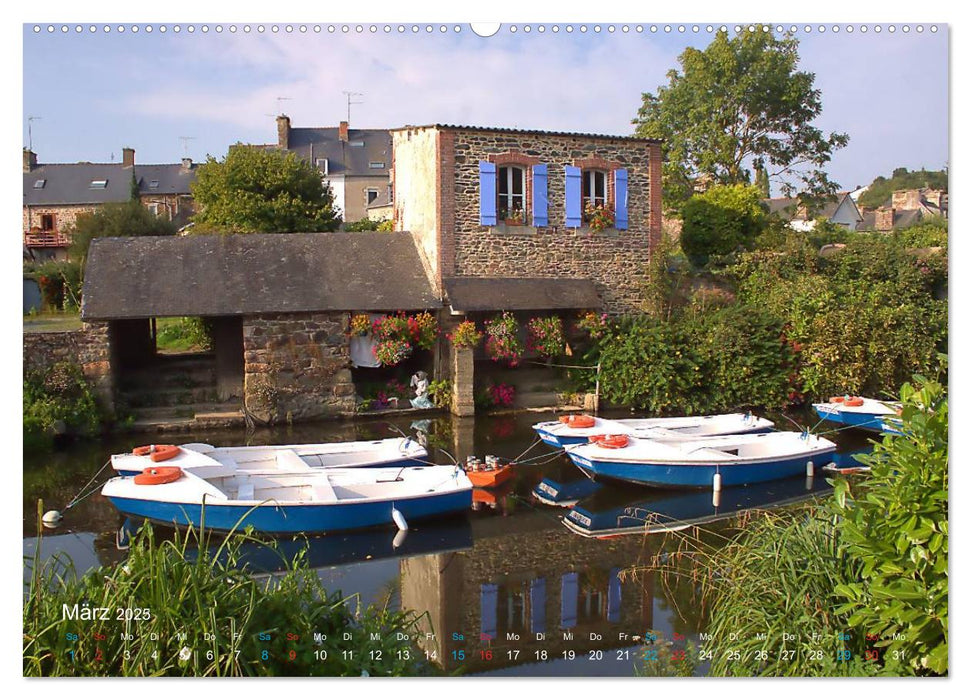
{"points": [[613, 442], [158, 475], [159, 453], [853, 401], [836, 399], [578, 420]]}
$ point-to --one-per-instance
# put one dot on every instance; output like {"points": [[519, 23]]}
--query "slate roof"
{"points": [[244, 274], [512, 293], [539, 132], [789, 206], [343, 158], [901, 219], [70, 183]]}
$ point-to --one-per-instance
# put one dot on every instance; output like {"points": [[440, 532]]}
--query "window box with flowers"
{"points": [[398, 335], [598, 217]]}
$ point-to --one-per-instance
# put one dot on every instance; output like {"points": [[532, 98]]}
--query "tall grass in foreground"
{"points": [[199, 614]]}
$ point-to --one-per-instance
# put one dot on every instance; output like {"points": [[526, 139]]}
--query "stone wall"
{"points": [[458, 246], [88, 347], [64, 215], [297, 366]]}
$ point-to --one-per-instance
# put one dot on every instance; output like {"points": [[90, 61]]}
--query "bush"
{"points": [[723, 220], [59, 282], [896, 526], [178, 581], [184, 333], [58, 400], [699, 362]]}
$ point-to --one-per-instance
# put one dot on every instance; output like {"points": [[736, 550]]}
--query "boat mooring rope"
{"points": [[77, 497]]}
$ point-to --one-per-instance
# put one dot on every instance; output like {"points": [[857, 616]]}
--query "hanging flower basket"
{"points": [[594, 324], [391, 352], [423, 330], [502, 339], [545, 336], [465, 335], [360, 324]]}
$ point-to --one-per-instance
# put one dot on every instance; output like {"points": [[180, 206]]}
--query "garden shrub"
{"points": [[722, 220], [59, 395]]}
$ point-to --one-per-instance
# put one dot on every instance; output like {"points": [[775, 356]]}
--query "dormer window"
{"points": [[356, 144], [153, 185], [98, 184], [376, 165], [39, 184]]}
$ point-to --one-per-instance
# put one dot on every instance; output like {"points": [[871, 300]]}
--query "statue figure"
{"points": [[419, 382]]}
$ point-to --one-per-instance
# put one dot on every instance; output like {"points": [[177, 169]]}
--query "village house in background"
{"points": [[486, 220], [356, 163], [906, 208], [56, 193], [841, 210]]}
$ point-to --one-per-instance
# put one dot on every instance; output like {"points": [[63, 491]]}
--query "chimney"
{"points": [[342, 132], [30, 160], [127, 157], [906, 200], [186, 165], [283, 132], [883, 220]]}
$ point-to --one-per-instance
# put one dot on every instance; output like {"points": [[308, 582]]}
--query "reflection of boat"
{"points": [[393, 452], [565, 495], [735, 459], [324, 500], [560, 433], [613, 511], [352, 547], [867, 414]]}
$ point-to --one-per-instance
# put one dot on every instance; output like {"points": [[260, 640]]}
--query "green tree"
{"points": [[720, 221], [259, 190], [114, 219], [762, 180], [881, 189], [738, 101]]}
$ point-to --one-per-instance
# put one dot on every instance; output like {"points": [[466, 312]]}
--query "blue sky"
{"points": [[97, 92]]}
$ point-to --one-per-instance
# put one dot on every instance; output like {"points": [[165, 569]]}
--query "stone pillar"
{"points": [[463, 376], [463, 437], [434, 582], [94, 355]]}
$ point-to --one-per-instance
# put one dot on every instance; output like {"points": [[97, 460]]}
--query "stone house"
{"points": [[278, 306], [840, 210], [56, 193], [906, 208], [355, 162]]}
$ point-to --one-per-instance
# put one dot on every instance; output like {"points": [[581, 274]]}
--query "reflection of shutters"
{"points": [[540, 214], [573, 197], [620, 199], [537, 605], [487, 193], [489, 604], [569, 590]]}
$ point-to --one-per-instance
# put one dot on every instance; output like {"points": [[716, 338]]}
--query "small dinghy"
{"points": [[576, 429], [275, 459], [859, 412], [315, 501], [703, 463]]}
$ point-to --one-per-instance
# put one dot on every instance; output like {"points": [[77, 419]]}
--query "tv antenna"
{"points": [[352, 102], [30, 132], [185, 143], [279, 103]]}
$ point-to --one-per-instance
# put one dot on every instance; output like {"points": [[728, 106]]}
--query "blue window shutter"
{"points": [[540, 199], [487, 193], [574, 196], [620, 199]]}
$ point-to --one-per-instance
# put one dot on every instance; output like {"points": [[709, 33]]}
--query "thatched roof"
{"points": [[245, 274]]}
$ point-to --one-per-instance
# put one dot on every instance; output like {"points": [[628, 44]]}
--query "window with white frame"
{"points": [[372, 194], [594, 189], [512, 194]]}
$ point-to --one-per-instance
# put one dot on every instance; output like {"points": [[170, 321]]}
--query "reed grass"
{"points": [[206, 615]]}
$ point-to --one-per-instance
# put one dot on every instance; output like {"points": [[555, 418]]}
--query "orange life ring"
{"points": [[594, 438], [578, 420], [853, 401], [159, 453], [613, 441], [158, 475], [836, 399]]}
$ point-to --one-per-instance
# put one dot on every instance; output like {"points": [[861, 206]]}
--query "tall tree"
{"points": [[762, 179], [739, 101], [259, 190]]}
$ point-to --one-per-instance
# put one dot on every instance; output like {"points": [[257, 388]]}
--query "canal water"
{"points": [[509, 590]]}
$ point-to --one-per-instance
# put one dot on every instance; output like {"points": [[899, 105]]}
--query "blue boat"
{"points": [[559, 434], [316, 501], [611, 511], [711, 463], [866, 414]]}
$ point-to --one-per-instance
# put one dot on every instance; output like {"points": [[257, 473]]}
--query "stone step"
{"points": [[189, 417], [153, 377], [536, 399]]}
